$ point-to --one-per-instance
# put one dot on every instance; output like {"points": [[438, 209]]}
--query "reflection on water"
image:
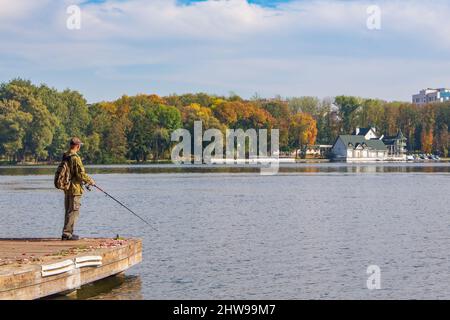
{"points": [[428, 167], [119, 287]]}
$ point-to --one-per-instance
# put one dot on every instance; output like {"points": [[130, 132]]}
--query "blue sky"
{"points": [[265, 3], [291, 48]]}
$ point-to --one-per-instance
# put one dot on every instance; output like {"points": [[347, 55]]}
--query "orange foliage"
{"points": [[243, 114], [426, 140], [303, 129]]}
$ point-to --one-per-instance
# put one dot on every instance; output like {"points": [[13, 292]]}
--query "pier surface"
{"points": [[36, 268]]}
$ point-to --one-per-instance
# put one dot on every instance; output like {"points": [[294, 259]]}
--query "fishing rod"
{"points": [[107, 194]]}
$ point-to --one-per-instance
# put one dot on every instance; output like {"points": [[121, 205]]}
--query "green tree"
{"points": [[309, 105], [13, 124], [348, 112], [39, 133], [408, 122], [111, 125], [163, 120]]}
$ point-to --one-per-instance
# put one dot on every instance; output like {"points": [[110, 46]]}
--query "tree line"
{"points": [[37, 121]]}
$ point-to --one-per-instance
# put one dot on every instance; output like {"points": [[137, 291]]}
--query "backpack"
{"points": [[63, 176]]}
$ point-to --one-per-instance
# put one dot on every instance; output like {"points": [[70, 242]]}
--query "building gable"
{"points": [[368, 133], [351, 141]]}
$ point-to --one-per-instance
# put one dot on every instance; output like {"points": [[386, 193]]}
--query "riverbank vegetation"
{"points": [[36, 122]]}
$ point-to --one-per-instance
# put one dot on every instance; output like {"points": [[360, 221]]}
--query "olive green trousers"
{"points": [[72, 206]]}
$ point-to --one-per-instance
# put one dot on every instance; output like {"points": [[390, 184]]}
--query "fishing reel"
{"points": [[88, 187]]}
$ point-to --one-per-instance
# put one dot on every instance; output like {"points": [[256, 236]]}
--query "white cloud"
{"points": [[230, 45], [18, 9], [155, 19]]}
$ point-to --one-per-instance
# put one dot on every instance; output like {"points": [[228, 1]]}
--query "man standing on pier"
{"points": [[72, 196]]}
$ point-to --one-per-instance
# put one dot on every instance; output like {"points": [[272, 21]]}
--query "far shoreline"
{"points": [[170, 163]]}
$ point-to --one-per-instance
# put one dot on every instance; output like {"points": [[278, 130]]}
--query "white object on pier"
{"points": [[88, 261], [57, 268]]}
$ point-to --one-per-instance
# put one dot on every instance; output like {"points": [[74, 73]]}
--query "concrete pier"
{"points": [[37, 268]]}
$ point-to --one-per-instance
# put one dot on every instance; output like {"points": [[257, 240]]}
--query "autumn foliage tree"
{"points": [[302, 131], [37, 121]]}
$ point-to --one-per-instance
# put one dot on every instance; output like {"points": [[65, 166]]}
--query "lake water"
{"points": [[309, 232]]}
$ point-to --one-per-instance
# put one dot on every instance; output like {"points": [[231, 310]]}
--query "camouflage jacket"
{"points": [[77, 173]]}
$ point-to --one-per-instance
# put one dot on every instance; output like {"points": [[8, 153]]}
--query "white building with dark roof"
{"points": [[356, 148], [365, 145]]}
